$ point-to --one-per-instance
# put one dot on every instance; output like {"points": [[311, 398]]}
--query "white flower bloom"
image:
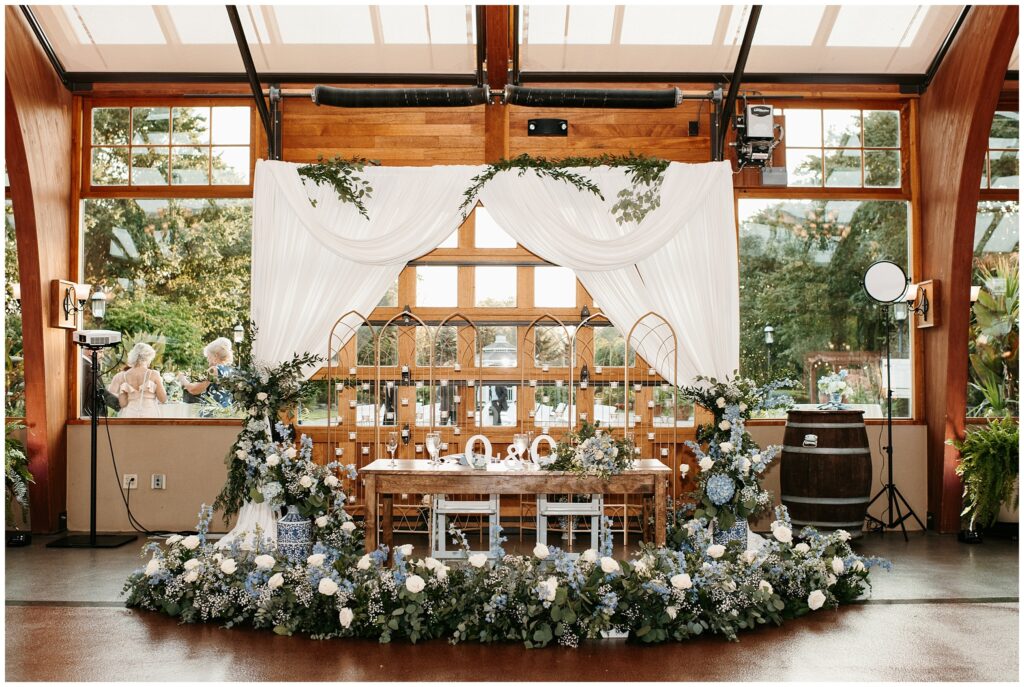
{"points": [[261, 396], [743, 407], [275, 581], [541, 551], [706, 464], [331, 481], [153, 567], [729, 585], [348, 526], [782, 533], [228, 566], [364, 562], [843, 535], [405, 549], [832, 579], [720, 402], [550, 587], [478, 560], [191, 576], [672, 612], [756, 458], [766, 586], [684, 468], [681, 581], [322, 521], [726, 447], [273, 460], [415, 584], [327, 586], [816, 599], [430, 563], [590, 555], [306, 482], [345, 617], [857, 566], [837, 565], [192, 563], [716, 550], [725, 425], [241, 455], [441, 572], [744, 464], [610, 565], [264, 562], [290, 452], [190, 542], [802, 547], [748, 556], [218, 557], [316, 560], [640, 567], [174, 539]]}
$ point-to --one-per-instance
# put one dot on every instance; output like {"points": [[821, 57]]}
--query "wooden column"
{"points": [[38, 138], [955, 117], [498, 52]]}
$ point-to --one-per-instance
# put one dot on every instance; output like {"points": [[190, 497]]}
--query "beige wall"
{"points": [[191, 456], [910, 451]]}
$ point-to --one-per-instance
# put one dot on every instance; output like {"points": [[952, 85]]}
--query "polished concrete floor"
{"points": [[947, 612]]}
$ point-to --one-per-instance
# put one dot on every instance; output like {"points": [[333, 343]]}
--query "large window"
{"points": [[801, 266], [843, 148], [1002, 159], [14, 373]]}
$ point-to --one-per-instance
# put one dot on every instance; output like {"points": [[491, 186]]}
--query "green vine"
{"points": [[645, 174], [343, 176]]}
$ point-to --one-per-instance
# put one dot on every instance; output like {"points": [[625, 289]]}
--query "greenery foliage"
{"points": [[590, 451], [989, 466], [995, 340], [17, 476], [343, 176], [14, 368]]}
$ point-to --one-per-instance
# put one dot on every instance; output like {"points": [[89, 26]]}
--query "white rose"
{"points": [[405, 549], [316, 560], [748, 556], [348, 526], [720, 402], [766, 586], [725, 425], [857, 566], [541, 551], [322, 521], [590, 555], [290, 452], [837, 565], [430, 563], [218, 557], [816, 599], [228, 566], [327, 586], [716, 550], [681, 581], [441, 572], [241, 455], [802, 547], [744, 465], [191, 576], [843, 535], [174, 539], [273, 460], [726, 447], [832, 579], [192, 563], [153, 567], [672, 612], [743, 407], [684, 468], [364, 562], [782, 533], [610, 565], [345, 617], [550, 586], [756, 458], [478, 560], [261, 396], [275, 581], [306, 481], [331, 481], [640, 567], [190, 542], [415, 584], [264, 562], [706, 464]]}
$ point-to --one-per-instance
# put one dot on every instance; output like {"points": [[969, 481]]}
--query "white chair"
{"points": [[441, 509], [593, 509]]}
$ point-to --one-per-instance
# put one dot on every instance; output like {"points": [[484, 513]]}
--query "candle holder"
{"points": [[598, 369]]}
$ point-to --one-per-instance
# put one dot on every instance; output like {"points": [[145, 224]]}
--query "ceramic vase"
{"points": [[294, 535]]}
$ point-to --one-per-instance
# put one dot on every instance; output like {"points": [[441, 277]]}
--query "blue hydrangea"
{"points": [[720, 489]]}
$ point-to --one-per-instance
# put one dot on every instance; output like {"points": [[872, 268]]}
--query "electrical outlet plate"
{"points": [[130, 482], [158, 481]]}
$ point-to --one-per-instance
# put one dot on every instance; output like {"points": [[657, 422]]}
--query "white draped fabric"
{"points": [[312, 264]]}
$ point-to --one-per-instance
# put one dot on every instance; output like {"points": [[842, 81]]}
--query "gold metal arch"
{"points": [[403, 315], [476, 356], [332, 380], [522, 366], [585, 322]]}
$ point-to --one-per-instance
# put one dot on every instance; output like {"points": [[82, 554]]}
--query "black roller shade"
{"points": [[399, 97], [634, 99]]}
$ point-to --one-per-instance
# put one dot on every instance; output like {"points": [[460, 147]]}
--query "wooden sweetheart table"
{"points": [[648, 477]]}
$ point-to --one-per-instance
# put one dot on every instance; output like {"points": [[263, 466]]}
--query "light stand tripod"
{"points": [[93, 540], [889, 489]]}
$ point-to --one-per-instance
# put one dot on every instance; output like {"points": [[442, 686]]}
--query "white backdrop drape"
{"points": [[312, 264]]}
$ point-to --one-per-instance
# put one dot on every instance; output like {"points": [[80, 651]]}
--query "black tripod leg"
{"points": [[901, 520], [910, 510]]}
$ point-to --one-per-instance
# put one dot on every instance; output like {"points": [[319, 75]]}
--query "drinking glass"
{"points": [[522, 444], [392, 446], [434, 446]]}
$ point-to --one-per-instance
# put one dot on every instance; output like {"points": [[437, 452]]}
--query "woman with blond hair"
{"points": [[219, 357], [139, 389]]}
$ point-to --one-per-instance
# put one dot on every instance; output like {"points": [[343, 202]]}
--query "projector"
{"points": [[97, 338]]}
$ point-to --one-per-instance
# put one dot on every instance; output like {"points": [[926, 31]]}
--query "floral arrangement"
{"points": [[834, 384], [741, 392], [660, 595], [17, 475], [729, 485], [261, 392], [590, 451]]}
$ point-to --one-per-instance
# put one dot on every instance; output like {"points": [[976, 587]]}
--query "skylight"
{"points": [[201, 24], [869, 26], [120, 25], [668, 25], [324, 24]]}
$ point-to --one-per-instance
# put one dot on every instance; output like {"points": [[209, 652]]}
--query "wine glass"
{"points": [[522, 444], [434, 446], [392, 446]]}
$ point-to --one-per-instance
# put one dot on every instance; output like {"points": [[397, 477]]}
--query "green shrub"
{"points": [[988, 466]]}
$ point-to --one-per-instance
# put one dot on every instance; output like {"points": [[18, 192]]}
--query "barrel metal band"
{"points": [[827, 500], [814, 425], [822, 523], [826, 451]]}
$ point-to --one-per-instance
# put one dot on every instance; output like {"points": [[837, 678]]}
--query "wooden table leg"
{"points": [[388, 524], [660, 510], [371, 513], [645, 517]]}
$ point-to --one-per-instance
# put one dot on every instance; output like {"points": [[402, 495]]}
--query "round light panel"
{"points": [[885, 281]]}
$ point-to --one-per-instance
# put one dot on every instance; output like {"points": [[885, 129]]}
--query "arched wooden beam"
{"points": [[955, 116]]}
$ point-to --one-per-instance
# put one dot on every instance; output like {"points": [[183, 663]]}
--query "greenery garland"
{"points": [[343, 176]]}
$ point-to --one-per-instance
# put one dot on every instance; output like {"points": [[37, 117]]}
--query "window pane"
{"points": [[881, 128], [551, 406], [151, 125], [366, 352], [803, 167], [488, 233], [497, 407], [499, 346], [551, 346], [190, 125], [109, 166], [230, 166], [842, 168], [190, 166], [149, 166], [445, 346], [176, 273], [881, 168], [610, 347], [495, 287], [1004, 169], [110, 125], [231, 125], [554, 287], [390, 298], [14, 380], [1005, 131], [437, 286], [803, 128], [842, 128], [792, 248], [610, 405]]}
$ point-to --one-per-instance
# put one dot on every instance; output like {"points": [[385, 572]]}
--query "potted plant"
{"points": [[17, 479], [989, 469]]}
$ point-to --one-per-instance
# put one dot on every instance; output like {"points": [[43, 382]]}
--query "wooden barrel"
{"points": [[826, 469]]}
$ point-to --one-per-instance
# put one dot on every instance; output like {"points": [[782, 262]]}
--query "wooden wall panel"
{"points": [[38, 156], [955, 116]]}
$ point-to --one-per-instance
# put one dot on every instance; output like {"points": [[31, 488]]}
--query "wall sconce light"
{"points": [[69, 299], [406, 311], [238, 333], [915, 300], [75, 298]]}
